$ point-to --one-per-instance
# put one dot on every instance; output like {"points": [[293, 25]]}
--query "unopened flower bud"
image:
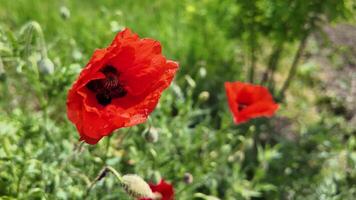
{"points": [[131, 162], [188, 178], [115, 26], [151, 135], [77, 55], [136, 187], [204, 96], [45, 66], [202, 72], [65, 12], [213, 154], [156, 177]]}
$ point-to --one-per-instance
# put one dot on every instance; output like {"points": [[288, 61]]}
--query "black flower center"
{"points": [[108, 88], [241, 106]]}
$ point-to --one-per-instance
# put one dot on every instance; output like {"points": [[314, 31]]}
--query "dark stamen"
{"points": [[109, 88], [241, 106], [111, 82], [103, 99], [118, 92], [109, 69], [94, 85]]}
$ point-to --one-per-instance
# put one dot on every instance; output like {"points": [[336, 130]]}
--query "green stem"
{"points": [[33, 25], [272, 63], [36, 26], [103, 172], [116, 173], [253, 58], [107, 148], [293, 69], [21, 175]]}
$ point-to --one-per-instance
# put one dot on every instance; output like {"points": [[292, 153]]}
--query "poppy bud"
{"points": [[151, 135], [118, 13], [202, 72], [238, 156], [65, 12], [115, 26], [226, 148], [77, 55], [213, 154], [156, 177], [188, 178], [45, 66], [136, 187], [204, 96], [131, 162]]}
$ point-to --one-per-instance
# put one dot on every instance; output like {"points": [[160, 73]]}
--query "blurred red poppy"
{"points": [[247, 101], [119, 87], [163, 189]]}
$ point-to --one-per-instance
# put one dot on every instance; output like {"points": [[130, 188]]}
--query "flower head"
{"points": [[119, 87], [247, 101], [163, 191]]}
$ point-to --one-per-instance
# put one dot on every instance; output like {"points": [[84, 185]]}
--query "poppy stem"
{"points": [[302, 45], [251, 73], [107, 147], [268, 75], [293, 68], [252, 40], [33, 25], [102, 174], [116, 173], [256, 142]]}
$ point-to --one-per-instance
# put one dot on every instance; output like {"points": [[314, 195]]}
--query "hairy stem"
{"points": [[103, 172], [35, 26]]}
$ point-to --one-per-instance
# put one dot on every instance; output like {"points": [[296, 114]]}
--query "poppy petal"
{"points": [[247, 101], [119, 87]]}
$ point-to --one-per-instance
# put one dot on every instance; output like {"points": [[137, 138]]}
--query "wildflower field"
{"points": [[178, 100]]}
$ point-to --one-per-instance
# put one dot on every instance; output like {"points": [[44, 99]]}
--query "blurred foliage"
{"points": [[301, 154]]}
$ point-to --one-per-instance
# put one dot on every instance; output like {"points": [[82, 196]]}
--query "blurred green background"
{"points": [[303, 50]]}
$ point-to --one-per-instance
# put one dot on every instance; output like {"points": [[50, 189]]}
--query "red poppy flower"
{"points": [[119, 87], [247, 101], [163, 189]]}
